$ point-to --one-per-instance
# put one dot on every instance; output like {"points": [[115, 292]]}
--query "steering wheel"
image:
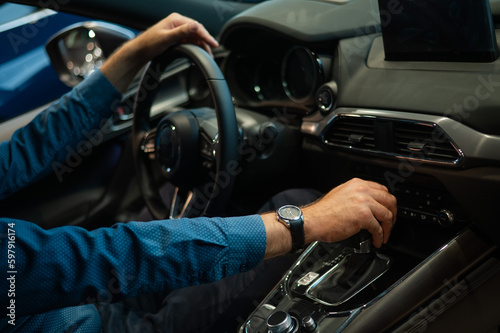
{"points": [[194, 149]]}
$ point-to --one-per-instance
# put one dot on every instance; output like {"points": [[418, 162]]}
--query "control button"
{"points": [[265, 310], [307, 279], [268, 132], [308, 324], [280, 322], [446, 218], [326, 96]]}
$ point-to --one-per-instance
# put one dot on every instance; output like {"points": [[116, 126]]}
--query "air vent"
{"points": [[351, 132], [394, 137], [422, 140]]}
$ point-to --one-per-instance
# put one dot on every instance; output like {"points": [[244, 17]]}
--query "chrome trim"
{"points": [[173, 205], [148, 145], [308, 127], [318, 281], [468, 142], [399, 156], [286, 281], [299, 261]]}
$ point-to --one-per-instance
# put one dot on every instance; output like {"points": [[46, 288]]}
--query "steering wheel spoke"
{"points": [[187, 145], [180, 202]]}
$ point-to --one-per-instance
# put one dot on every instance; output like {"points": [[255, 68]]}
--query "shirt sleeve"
{"points": [[69, 265], [64, 128]]}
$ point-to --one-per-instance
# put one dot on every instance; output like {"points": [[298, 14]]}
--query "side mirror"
{"points": [[78, 50]]}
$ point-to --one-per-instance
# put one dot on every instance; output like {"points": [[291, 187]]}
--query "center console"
{"points": [[333, 288], [350, 286]]}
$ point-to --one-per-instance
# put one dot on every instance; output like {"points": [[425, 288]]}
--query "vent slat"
{"points": [[359, 133], [406, 132], [343, 130]]}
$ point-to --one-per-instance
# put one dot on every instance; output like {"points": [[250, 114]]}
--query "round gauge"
{"points": [[301, 74]]}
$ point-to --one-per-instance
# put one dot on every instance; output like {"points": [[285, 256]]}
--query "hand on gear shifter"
{"points": [[365, 244]]}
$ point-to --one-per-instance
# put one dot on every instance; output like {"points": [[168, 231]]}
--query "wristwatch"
{"points": [[292, 217]]}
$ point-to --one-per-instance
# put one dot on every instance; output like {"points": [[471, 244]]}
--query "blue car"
{"points": [[25, 67]]}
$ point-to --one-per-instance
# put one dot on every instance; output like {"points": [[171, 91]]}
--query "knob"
{"points": [[308, 324], [446, 218], [280, 322], [326, 96], [268, 132]]}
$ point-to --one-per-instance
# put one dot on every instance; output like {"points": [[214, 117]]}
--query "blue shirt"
{"points": [[69, 265]]}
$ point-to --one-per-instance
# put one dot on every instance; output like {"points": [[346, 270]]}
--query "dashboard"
{"points": [[428, 130], [437, 120]]}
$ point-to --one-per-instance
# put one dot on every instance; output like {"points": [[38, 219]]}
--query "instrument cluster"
{"points": [[277, 75]]}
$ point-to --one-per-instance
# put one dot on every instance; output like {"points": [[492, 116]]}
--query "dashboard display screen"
{"points": [[438, 30]]}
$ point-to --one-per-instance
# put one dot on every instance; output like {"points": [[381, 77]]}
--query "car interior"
{"points": [[304, 94]]}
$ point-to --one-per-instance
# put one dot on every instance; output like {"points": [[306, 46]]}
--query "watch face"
{"points": [[290, 212]]}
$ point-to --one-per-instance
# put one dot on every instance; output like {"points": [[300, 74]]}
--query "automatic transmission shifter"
{"points": [[365, 245], [352, 274]]}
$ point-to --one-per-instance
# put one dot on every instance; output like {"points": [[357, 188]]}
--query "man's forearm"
{"points": [[121, 68], [67, 266], [279, 239]]}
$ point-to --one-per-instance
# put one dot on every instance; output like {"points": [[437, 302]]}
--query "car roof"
{"points": [[212, 14]]}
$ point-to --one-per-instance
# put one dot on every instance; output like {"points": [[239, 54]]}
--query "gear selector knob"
{"points": [[365, 242]]}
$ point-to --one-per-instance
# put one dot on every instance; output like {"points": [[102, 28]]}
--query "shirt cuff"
{"points": [[247, 241]]}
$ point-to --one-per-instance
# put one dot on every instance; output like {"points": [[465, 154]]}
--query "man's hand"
{"points": [[341, 213], [125, 63], [173, 29], [349, 208]]}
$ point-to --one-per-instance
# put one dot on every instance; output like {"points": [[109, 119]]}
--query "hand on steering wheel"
{"points": [[174, 144]]}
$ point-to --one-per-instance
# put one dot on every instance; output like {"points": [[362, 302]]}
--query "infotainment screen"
{"points": [[438, 30]]}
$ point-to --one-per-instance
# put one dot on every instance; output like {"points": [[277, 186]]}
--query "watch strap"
{"points": [[298, 238]]}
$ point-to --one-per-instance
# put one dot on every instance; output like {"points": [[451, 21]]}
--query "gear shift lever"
{"points": [[352, 274], [365, 242]]}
